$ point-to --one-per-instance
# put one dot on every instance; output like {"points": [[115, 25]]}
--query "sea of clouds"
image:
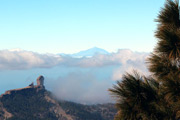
{"points": [[84, 80]]}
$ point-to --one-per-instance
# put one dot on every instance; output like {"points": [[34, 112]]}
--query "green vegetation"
{"points": [[156, 97]]}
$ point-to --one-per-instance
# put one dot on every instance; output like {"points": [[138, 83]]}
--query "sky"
{"points": [[34, 32], [68, 26]]}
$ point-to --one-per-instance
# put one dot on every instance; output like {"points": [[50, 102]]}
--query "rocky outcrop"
{"points": [[40, 81], [34, 102], [40, 85]]}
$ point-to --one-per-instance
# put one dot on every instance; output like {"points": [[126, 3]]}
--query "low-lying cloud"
{"points": [[15, 60], [81, 87], [82, 80]]}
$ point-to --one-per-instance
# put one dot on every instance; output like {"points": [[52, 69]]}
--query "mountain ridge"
{"points": [[36, 103]]}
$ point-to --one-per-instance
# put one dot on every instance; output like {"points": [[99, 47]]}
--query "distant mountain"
{"points": [[87, 53], [90, 52], [36, 103]]}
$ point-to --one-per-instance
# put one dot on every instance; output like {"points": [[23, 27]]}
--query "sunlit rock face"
{"points": [[40, 81]]}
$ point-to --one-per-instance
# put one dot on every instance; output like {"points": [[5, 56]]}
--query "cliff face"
{"points": [[34, 103]]}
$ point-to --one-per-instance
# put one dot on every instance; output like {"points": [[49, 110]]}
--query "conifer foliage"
{"points": [[156, 97]]}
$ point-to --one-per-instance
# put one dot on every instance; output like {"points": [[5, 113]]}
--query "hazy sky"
{"points": [[68, 26]]}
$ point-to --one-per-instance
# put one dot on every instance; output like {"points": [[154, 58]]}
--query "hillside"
{"points": [[36, 103]]}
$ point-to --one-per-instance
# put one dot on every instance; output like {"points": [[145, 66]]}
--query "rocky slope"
{"points": [[36, 103]]}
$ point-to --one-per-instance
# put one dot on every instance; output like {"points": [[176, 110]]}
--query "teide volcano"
{"points": [[34, 102]]}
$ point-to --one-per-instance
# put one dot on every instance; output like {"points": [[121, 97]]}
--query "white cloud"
{"points": [[14, 60], [81, 87], [20, 59], [130, 61], [118, 73], [89, 78], [122, 57]]}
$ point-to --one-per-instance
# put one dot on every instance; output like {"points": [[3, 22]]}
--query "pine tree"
{"points": [[156, 98]]}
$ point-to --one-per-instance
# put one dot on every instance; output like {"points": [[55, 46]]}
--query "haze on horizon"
{"points": [[34, 33]]}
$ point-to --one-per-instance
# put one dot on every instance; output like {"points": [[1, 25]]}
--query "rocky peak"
{"points": [[34, 102], [40, 85], [40, 81]]}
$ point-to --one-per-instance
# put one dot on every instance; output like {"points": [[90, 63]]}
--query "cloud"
{"points": [[82, 80], [130, 61], [81, 87], [21, 59], [118, 73]]}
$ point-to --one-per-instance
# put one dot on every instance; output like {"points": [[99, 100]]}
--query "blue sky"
{"points": [[68, 26], [38, 27]]}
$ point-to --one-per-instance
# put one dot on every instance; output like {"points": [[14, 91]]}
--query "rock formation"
{"points": [[40, 81], [34, 102], [32, 84], [40, 85]]}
